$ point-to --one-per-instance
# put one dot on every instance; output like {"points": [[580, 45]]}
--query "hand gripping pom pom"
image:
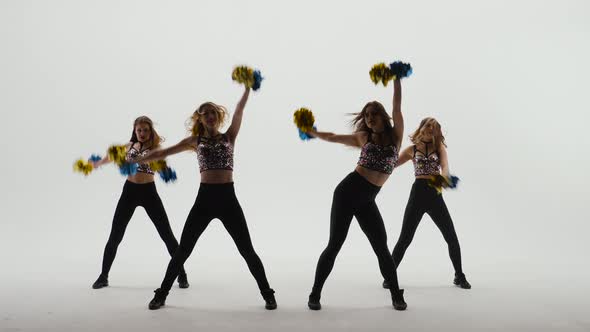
{"points": [[95, 158], [401, 69], [117, 154], [303, 119], [251, 78]]}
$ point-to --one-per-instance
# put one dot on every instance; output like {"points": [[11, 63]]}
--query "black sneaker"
{"points": [[269, 298], [314, 302], [461, 281], [159, 299], [101, 282], [386, 284], [397, 299], [183, 281]]}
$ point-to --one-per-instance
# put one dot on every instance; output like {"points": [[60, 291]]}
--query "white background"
{"points": [[506, 79]]}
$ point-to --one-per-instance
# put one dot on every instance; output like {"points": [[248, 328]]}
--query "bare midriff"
{"points": [[375, 177], [141, 178], [217, 176]]}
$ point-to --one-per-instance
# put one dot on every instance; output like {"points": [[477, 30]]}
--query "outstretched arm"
{"points": [[398, 119], [404, 156], [160, 154], [355, 139], [236, 121]]}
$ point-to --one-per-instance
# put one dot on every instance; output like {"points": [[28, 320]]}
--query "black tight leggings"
{"points": [[135, 195], [216, 201], [355, 196], [425, 199]]}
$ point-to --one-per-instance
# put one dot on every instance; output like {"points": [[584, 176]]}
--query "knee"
{"points": [[330, 252], [403, 243], [248, 252], [114, 241]]}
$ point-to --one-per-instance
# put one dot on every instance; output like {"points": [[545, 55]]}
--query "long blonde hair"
{"points": [[154, 139], [438, 138], [194, 124]]}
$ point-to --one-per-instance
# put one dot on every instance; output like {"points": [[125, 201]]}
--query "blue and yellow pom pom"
{"points": [[440, 182], [83, 166], [303, 119], [396, 70], [95, 158], [251, 78], [117, 154], [305, 136], [400, 69], [128, 169], [381, 73], [158, 165], [167, 174]]}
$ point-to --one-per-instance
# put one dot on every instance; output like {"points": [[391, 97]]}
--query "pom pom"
{"points": [[257, 80], [117, 154], [83, 166], [158, 165], [168, 174], [381, 73], [305, 136], [400, 69], [440, 182], [95, 158], [304, 119], [249, 77], [128, 169]]}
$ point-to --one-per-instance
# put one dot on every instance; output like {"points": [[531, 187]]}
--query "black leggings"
{"points": [[355, 196], [425, 199], [135, 195], [216, 201]]}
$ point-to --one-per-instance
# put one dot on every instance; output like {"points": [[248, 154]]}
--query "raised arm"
{"points": [[405, 155], [160, 154], [355, 139], [444, 160], [398, 119], [236, 121]]}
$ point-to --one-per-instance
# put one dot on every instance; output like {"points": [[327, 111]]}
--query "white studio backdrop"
{"points": [[506, 79]]}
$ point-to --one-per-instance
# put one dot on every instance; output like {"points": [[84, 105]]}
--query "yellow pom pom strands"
{"points": [[117, 154], [384, 73], [303, 119], [381, 73], [158, 165], [251, 78], [83, 166]]}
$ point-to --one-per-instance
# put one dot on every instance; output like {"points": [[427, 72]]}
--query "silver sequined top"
{"points": [[133, 154], [380, 158], [215, 154], [426, 163]]}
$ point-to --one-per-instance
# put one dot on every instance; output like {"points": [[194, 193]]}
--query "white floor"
{"points": [[352, 300]]}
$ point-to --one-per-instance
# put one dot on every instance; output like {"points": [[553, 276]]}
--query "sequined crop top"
{"points": [[377, 157], [215, 154], [426, 163], [133, 154]]}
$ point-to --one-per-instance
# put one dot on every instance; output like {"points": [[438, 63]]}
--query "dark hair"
{"points": [[359, 124]]}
